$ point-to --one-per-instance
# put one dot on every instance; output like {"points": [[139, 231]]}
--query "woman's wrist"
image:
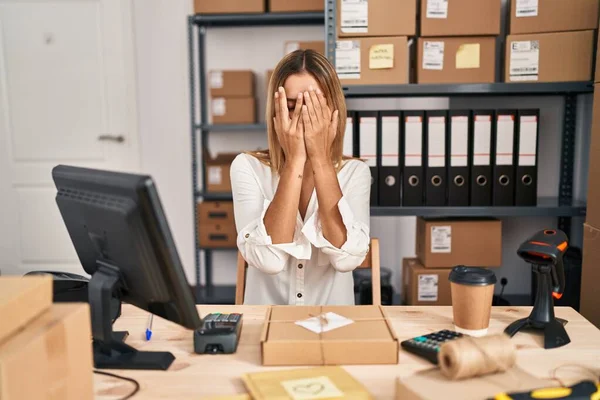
{"points": [[321, 163]]}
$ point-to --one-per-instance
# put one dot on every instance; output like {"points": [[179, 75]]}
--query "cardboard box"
{"points": [[553, 16], [549, 57], [370, 339], [373, 61], [218, 171], [446, 243], [21, 300], [377, 18], [296, 6], [425, 286], [431, 384], [230, 83], [456, 60], [316, 45], [590, 274], [215, 212], [233, 110], [229, 6], [51, 358], [460, 17], [216, 224]]}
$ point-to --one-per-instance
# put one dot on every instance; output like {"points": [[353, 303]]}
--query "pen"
{"points": [[149, 327]]}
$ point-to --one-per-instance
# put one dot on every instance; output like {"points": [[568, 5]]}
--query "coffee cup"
{"points": [[472, 291]]}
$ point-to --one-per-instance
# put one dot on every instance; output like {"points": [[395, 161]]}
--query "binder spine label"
{"points": [[368, 140], [390, 141], [528, 140], [428, 287], [355, 16], [348, 138], [413, 142], [436, 144], [505, 140], [459, 141], [482, 140], [433, 55], [441, 239], [347, 59]]}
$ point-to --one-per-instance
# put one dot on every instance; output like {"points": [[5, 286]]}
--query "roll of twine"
{"points": [[469, 357]]}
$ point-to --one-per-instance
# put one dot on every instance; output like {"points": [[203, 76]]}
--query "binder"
{"points": [[527, 159], [412, 158], [389, 170], [503, 159], [349, 148], [481, 151], [368, 147], [435, 157], [459, 131]]}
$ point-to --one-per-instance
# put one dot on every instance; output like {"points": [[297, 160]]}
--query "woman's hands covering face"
{"points": [[320, 125], [289, 129]]}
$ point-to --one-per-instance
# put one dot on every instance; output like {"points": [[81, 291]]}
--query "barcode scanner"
{"points": [[544, 251]]}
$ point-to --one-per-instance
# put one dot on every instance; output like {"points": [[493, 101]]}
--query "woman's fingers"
{"points": [[305, 118], [297, 112], [276, 103], [334, 125], [316, 103], [324, 107], [285, 115], [310, 110]]}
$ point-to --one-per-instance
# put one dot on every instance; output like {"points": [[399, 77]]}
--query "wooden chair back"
{"points": [[372, 261]]}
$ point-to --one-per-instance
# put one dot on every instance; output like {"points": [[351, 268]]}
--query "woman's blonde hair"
{"points": [[315, 64]]}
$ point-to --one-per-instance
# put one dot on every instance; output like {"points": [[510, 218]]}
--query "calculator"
{"points": [[428, 346], [219, 334]]}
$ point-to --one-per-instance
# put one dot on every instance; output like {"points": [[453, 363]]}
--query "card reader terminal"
{"points": [[219, 334]]}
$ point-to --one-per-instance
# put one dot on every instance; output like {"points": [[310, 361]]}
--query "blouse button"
{"points": [[300, 266], [299, 295], [247, 235]]}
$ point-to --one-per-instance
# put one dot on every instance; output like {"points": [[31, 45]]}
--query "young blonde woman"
{"points": [[302, 208]]}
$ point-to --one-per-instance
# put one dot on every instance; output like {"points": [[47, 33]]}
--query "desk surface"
{"points": [[193, 376]]}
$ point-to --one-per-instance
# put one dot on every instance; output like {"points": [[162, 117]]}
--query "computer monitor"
{"points": [[122, 238]]}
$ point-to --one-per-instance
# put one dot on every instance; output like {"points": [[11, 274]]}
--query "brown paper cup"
{"points": [[471, 307]]}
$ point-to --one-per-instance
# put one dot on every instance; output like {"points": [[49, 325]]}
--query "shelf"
{"points": [[474, 89], [267, 19], [214, 196], [233, 128], [547, 207]]}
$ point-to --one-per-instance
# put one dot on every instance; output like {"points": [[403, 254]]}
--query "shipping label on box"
{"points": [[433, 55], [428, 287], [437, 9], [524, 60], [526, 8], [355, 16], [216, 79], [219, 107], [441, 239], [347, 59]]}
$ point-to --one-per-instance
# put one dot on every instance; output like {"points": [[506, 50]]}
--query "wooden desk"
{"points": [[193, 376]]}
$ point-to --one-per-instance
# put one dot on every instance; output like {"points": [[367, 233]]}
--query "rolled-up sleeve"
{"points": [[354, 209], [253, 241]]}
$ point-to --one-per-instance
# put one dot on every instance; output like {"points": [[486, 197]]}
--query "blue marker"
{"points": [[149, 327]]}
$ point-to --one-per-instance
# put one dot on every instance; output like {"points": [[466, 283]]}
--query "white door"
{"points": [[67, 96]]}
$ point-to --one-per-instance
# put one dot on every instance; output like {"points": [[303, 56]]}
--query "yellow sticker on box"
{"points": [[381, 56], [467, 56]]}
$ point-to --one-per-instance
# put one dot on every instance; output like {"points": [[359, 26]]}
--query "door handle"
{"points": [[112, 138]]}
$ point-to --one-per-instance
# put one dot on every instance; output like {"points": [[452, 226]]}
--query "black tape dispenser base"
{"points": [[544, 251]]}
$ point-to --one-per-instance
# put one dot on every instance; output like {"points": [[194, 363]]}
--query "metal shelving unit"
{"points": [[562, 207]]}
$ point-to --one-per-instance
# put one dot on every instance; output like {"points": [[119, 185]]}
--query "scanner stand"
{"points": [[542, 316], [109, 348]]}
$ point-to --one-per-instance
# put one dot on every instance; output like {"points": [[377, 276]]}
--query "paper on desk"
{"points": [[324, 322]]}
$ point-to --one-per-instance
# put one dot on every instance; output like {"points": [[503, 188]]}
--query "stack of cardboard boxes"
{"points": [[441, 245], [372, 46], [45, 348], [232, 95], [590, 274], [551, 40], [256, 6], [458, 41]]}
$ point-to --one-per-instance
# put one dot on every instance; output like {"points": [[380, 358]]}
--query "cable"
{"points": [[136, 383]]}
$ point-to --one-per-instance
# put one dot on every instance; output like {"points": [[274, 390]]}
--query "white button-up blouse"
{"points": [[310, 270]]}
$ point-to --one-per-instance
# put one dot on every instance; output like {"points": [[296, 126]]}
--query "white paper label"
{"points": [[368, 140], [390, 141], [527, 140], [436, 142], [428, 288], [216, 79], [413, 142], [482, 133], [437, 9], [348, 138], [218, 107], [441, 239], [347, 59], [459, 141], [526, 8], [290, 47], [215, 176], [433, 55], [324, 322], [524, 60], [355, 16], [505, 139], [320, 387]]}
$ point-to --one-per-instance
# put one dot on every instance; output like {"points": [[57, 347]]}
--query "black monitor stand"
{"points": [[110, 351]]}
